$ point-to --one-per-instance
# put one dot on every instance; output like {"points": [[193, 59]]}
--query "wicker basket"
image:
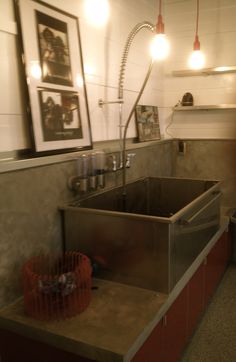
{"points": [[57, 287]]}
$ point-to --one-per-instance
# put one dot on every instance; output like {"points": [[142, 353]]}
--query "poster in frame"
{"points": [[147, 123], [55, 82]]}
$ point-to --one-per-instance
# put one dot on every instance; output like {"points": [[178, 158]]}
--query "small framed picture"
{"points": [[54, 73], [147, 122]]}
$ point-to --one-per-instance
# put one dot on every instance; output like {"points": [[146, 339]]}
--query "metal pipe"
{"points": [[132, 34], [127, 125], [101, 102], [136, 29]]}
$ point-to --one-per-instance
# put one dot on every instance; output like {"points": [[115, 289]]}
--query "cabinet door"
{"points": [[14, 347], [216, 263], [226, 249], [195, 299], [174, 330], [151, 349]]}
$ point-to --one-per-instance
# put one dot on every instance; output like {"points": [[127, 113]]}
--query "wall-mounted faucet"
{"points": [[114, 165]]}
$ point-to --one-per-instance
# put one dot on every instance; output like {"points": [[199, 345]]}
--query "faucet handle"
{"points": [[113, 166], [128, 159]]}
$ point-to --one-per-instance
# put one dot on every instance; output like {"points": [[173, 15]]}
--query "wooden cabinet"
{"points": [[215, 265], [151, 349], [170, 336], [174, 331], [14, 347], [195, 298]]}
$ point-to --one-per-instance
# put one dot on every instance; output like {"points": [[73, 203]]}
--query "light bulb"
{"points": [[79, 80], [97, 11], [196, 59], [160, 47], [35, 70]]}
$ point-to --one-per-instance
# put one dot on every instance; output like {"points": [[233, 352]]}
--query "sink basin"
{"points": [[166, 223]]}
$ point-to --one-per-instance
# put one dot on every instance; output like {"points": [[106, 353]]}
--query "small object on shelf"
{"points": [[187, 99], [57, 287]]}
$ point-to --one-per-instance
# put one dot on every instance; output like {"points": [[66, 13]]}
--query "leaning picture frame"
{"points": [[55, 82], [147, 123]]}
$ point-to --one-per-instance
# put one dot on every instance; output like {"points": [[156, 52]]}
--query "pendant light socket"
{"points": [[160, 25], [196, 44]]}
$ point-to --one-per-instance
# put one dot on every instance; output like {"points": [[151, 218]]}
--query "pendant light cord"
{"points": [[160, 24], [197, 18], [160, 7]]}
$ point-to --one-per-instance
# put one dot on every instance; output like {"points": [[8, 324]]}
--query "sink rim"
{"points": [[170, 220]]}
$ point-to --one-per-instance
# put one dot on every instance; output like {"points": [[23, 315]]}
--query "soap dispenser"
{"points": [[82, 169], [100, 167], [92, 171]]}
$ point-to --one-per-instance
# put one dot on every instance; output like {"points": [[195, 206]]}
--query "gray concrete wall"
{"points": [[209, 159]]}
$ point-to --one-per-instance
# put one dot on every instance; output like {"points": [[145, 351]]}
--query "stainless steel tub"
{"points": [[166, 224]]}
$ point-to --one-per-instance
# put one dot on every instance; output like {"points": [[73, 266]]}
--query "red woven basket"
{"points": [[57, 287]]}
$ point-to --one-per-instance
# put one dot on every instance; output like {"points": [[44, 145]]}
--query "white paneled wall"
{"points": [[102, 51], [217, 33], [13, 128]]}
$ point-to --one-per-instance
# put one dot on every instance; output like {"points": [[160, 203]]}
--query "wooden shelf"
{"points": [[204, 107]]}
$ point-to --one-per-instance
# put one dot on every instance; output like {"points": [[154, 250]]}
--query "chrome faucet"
{"points": [[114, 164], [124, 160], [136, 29]]}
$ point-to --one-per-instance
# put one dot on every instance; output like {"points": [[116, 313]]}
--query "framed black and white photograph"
{"points": [[60, 115], [147, 123], [53, 63], [54, 50]]}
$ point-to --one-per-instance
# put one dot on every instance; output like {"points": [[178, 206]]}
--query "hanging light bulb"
{"points": [[160, 45], [197, 58], [97, 12]]}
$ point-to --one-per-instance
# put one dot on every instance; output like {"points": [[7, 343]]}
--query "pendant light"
{"points": [[160, 46], [97, 12], [197, 58]]}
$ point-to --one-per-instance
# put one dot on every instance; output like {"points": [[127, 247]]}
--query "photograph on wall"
{"points": [[147, 123], [54, 50], [60, 115], [56, 95]]}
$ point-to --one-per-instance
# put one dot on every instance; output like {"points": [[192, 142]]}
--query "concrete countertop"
{"points": [[117, 315], [116, 323]]}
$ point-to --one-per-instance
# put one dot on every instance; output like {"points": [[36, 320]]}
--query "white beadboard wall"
{"points": [[217, 33], [102, 51]]}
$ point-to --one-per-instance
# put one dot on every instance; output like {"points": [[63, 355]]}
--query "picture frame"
{"points": [[147, 122], [55, 82]]}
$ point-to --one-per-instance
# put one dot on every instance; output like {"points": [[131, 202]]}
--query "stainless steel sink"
{"points": [[166, 224]]}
